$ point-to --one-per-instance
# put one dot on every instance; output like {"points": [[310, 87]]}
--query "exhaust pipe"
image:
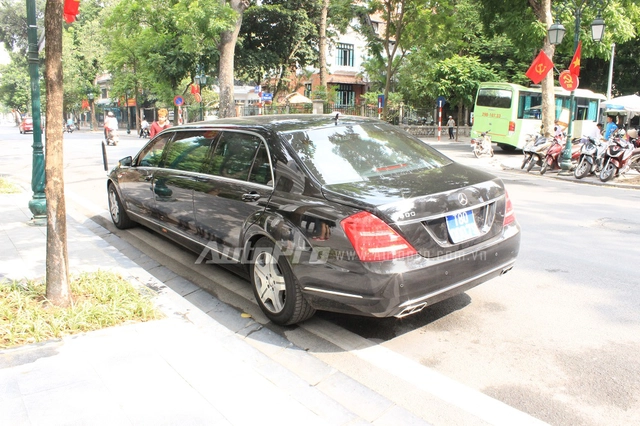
{"points": [[409, 310], [504, 271]]}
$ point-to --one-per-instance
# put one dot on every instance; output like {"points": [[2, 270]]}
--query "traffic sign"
{"points": [[568, 81], [440, 101], [267, 96], [178, 100]]}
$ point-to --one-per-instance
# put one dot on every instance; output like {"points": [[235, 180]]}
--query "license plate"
{"points": [[462, 226]]}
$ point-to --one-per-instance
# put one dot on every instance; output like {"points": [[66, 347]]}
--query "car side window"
{"points": [[152, 154], [261, 169], [189, 151], [234, 155]]}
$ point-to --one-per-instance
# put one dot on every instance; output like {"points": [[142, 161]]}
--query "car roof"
{"points": [[280, 123]]}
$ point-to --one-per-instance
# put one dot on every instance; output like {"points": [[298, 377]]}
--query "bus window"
{"points": [[497, 98], [529, 105]]}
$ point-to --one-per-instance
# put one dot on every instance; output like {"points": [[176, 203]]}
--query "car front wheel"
{"points": [[275, 287], [117, 211]]}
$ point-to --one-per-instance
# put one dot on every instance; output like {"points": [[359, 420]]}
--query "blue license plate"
{"points": [[462, 226]]}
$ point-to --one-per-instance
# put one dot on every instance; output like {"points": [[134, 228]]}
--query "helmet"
{"points": [[633, 133], [110, 114]]}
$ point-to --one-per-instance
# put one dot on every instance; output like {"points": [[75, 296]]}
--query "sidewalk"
{"points": [[184, 369]]}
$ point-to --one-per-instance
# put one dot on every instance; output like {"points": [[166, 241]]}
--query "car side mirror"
{"points": [[125, 162]]}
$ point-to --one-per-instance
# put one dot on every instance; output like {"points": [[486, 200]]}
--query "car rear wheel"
{"points": [[275, 287], [118, 214]]}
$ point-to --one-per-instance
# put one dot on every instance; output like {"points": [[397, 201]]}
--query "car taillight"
{"points": [[373, 239], [512, 126], [509, 215]]}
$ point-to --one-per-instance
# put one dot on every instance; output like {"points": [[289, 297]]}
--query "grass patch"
{"points": [[7, 187], [98, 300]]}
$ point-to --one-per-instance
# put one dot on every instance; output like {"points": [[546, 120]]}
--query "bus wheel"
{"points": [[505, 147]]}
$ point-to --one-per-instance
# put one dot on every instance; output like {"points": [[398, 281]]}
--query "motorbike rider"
{"points": [[70, 124], [144, 127], [110, 125]]}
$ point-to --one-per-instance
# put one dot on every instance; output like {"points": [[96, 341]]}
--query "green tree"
{"points": [[276, 38], [15, 89], [160, 46], [457, 79]]}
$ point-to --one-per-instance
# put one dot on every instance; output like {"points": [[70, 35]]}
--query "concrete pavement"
{"points": [[184, 369]]}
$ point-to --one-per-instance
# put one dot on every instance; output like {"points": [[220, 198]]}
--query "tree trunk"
{"points": [[548, 95], [57, 268], [322, 55], [227, 49]]}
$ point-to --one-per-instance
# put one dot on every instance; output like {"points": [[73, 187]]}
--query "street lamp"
{"points": [[90, 97], [556, 34], [201, 80], [126, 106], [37, 204]]}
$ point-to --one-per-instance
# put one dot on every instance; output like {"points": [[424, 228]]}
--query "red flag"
{"points": [[574, 68], [539, 68], [85, 104], [195, 88], [71, 8]]}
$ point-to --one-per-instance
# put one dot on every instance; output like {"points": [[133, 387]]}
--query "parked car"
{"points": [[26, 125], [343, 214]]}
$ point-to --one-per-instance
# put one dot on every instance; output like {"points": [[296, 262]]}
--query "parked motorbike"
{"points": [[69, 128], [144, 133], [553, 158], [619, 157], [482, 145], [591, 157], [535, 151], [112, 137]]}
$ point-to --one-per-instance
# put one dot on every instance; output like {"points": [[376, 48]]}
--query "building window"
{"points": [[307, 90], [103, 94], [345, 96], [375, 26], [345, 55]]}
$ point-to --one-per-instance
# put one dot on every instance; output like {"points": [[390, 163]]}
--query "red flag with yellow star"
{"points": [[539, 68], [574, 68]]}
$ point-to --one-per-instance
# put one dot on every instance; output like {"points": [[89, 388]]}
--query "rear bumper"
{"points": [[404, 287]]}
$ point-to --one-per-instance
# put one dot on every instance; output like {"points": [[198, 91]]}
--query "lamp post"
{"points": [[126, 106], [37, 204], [556, 34], [201, 80], [91, 113]]}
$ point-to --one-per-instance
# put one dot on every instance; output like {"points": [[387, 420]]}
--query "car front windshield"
{"points": [[359, 152]]}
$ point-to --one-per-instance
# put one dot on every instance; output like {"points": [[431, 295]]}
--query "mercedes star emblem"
{"points": [[462, 199]]}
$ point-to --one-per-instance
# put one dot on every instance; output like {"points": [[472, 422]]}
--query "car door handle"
{"points": [[251, 197]]}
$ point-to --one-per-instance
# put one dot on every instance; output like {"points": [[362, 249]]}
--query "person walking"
{"points": [[451, 124]]}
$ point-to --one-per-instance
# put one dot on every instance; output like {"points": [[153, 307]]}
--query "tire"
{"points": [[507, 148], [526, 160], [583, 169], [275, 287], [544, 167], [532, 162], [608, 172], [491, 152], [476, 151], [634, 163], [118, 214]]}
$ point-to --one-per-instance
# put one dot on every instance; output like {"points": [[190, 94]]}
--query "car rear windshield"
{"points": [[358, 152]]}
